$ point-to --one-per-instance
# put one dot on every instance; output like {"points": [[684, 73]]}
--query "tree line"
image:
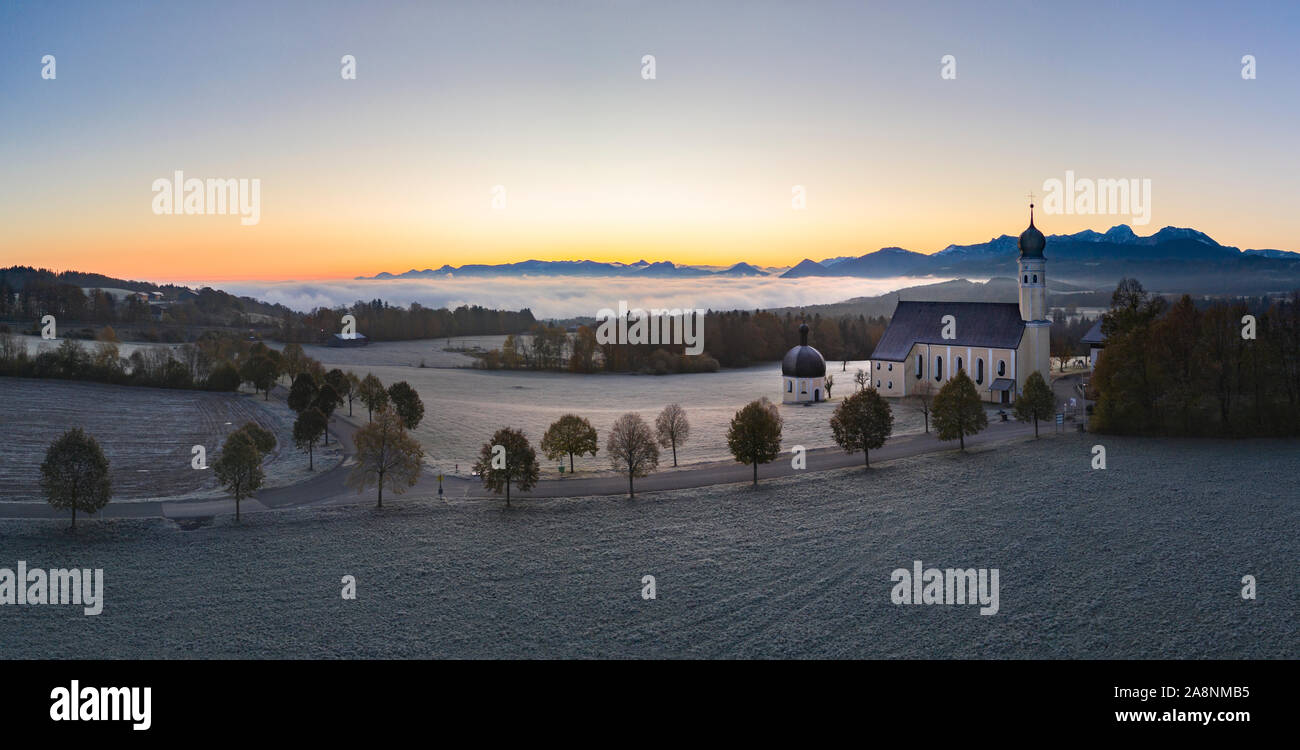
{"points": [[1227, 368]]}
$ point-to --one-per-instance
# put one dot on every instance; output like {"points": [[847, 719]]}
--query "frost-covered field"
{"points": [[1142, 560], [146, 433], [463, 407]]}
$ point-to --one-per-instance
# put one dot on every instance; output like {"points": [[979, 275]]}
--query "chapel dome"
{"points": [[803, 361]]}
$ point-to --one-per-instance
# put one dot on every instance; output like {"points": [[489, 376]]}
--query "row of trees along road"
{"points": [[508, 460], [75, 476]]}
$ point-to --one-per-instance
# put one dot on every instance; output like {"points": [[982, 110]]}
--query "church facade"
{"points": [[998, 344]]}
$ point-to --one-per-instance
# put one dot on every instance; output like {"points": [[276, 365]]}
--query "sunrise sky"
{"points": [[395, 170]]}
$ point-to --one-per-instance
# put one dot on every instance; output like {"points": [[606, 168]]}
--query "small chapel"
{"points": [[803, 372]]}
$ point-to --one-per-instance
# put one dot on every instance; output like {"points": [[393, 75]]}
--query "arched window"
{"points": [[920, 363], [979, 371], [1026, 278], [960, 365], [1035, 278], [938, 368], [1002, 367]]}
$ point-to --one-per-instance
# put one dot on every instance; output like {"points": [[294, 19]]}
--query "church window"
{"points": [[789, 386], [919, 365], [960, 366], [1002, 367], [803, 387], [1026, 278], [979, 371], [1035, 278], [938, 368]]}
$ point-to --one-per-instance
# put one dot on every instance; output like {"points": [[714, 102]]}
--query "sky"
{"points": [[545, 104]]}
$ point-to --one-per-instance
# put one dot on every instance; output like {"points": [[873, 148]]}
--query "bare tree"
{"points": [[631, 448], [672, 428]]}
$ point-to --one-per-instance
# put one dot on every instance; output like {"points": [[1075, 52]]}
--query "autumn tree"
{"points": [[406, 402], [386, 455], [303, 392], [631, 448], [958, 411], [861, 422], [754, 436], [372, 394], [1036, 402], [672, 428], [74, 474], [307, 429], [569, 435], [507, 460], [239, 467]]}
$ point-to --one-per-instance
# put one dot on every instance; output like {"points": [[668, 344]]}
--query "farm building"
{"points": [[353, 339]]}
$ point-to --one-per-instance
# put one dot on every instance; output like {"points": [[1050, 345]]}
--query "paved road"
{"points": [[328, 487]]}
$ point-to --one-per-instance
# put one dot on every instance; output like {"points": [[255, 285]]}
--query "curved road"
{"points": [[328, 487]]}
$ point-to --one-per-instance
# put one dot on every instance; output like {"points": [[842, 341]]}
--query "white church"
{"points": [[998, 344]]}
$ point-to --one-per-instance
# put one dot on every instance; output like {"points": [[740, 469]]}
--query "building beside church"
{"points": [[803, 372], [998, 344], [1096, 341]]}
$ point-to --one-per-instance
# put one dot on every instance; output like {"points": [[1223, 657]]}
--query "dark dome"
{"points": [[803, 361], [1032, 241]]}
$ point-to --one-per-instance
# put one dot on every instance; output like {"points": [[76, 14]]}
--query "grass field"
{"points": [[1142, 560], [146, 433]]}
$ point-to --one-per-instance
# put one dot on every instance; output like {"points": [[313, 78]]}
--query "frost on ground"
{"points": [[147, 434], [1142, 560]]}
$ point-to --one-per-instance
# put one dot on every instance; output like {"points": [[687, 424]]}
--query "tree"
{"points": [[754, 436], [861, 422], [406, 402], [260, 371], [1036, 402], [386, 456], [829, 383], [293, 359], [631, 448], [338, 380], [354, 385], [923, 397], [307, 429], [372, 394], [515, 464], [958, 411], [569, 435], [239, 468], [327, 400], [861, 378], [302, 393], [263, 438], [672, 428], [74, 474]]}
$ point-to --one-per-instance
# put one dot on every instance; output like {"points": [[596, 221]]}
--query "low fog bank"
{"points": [[566, 297]]}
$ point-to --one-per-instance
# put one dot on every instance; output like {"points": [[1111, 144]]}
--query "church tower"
{"points": [[1033, 305]]}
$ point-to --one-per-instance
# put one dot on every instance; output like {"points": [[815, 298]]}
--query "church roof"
{"points": [[1094, 334], [995, 325], [803, 361]]}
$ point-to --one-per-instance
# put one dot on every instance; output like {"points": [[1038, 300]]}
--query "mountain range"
{"points": [[1173, 257]]}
